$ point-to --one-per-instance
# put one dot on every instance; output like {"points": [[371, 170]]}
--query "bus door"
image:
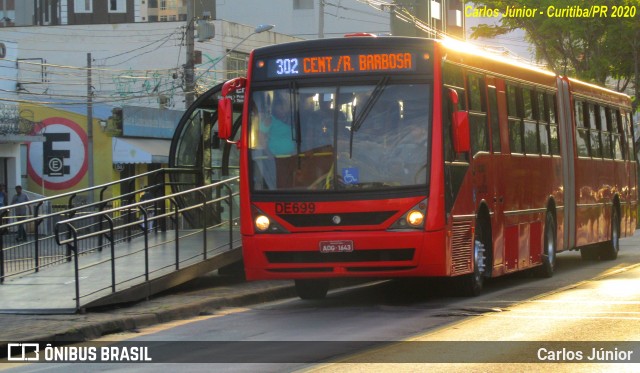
{"points": [[495, 94], [628, 211], [500, 147], [566, 135]]}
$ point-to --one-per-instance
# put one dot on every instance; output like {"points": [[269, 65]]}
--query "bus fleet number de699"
{"points": [[295, 208]]}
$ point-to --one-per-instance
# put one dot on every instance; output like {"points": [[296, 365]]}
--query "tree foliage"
{"points": [[594, 49]]}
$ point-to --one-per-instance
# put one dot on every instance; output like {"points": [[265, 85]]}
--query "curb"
{"points": [[116, 323]]}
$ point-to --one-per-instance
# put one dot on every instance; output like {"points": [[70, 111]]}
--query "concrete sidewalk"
{"points": [[197, 297]]}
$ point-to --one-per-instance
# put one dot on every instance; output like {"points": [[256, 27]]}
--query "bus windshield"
{"points": [[338, 138]]}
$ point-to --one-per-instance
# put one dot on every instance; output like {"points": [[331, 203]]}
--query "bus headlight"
{"points": [[262, 223], [415, 218]]}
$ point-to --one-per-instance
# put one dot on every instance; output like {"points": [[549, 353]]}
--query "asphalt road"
{"points": [[518, 324]]}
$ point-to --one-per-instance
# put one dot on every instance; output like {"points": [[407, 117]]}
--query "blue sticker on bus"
{"points": [[350, 175]]}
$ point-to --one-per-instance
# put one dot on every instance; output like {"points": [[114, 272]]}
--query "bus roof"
{"points": [[468, 54]]}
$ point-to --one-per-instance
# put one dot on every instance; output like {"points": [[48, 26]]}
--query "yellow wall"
{"points": [[70, 130]]}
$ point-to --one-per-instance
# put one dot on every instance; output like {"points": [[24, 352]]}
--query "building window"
{"points": [[83, 6], [163, 4], [237, 63], [117, 6], [302, 4], [153, 4]]}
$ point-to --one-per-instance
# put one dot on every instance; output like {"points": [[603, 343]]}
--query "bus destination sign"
{"points": [[338, 64]]}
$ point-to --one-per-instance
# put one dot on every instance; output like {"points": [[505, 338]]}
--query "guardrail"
{"points": [[40, 249], [70, 232]]}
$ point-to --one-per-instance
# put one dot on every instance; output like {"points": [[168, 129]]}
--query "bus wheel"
{"points": [[312, 289], [471, 284], [609, 250], [550, 248]]}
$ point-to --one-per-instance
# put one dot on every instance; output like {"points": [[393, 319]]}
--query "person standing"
{"points": [[3, 196], [20, 212]]}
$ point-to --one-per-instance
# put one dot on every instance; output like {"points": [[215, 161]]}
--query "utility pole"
{"points": [[90, 126], [189, 83], [321, 19]]}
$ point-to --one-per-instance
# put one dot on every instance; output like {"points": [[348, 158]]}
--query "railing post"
{"points": [[101, 208], [76, 265], [3, 230], [204, 223], [145, 233], [113, 250], [176, 217], [162, 223], [36, 226], [71, 216], [230, 216]]}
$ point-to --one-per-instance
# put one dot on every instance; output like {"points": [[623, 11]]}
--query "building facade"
{"points": [[118, 87]]}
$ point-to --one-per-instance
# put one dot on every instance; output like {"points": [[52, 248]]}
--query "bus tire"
{"points": [[609, 250], [550, 247], [471, 285], [312, 289]]}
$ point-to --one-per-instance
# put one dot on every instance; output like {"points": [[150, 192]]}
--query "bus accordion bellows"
{"points": [[389, 157]]}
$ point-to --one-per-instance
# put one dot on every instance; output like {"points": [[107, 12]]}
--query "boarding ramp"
{"points": [[117, 249]]}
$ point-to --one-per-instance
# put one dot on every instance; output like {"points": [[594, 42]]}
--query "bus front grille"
{"points": [[387, 255]]}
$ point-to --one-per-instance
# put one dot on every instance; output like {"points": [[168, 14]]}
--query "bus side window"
{"points": [[616, 126], [553, 124], [493, 117], [453, 78], [514, 110], [543, 122], [530, 125], [594, 132], [626, 122], [477, 113], [604, 119], [582, 136]]}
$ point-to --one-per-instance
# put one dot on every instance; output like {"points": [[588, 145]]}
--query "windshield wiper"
{"points": [[359, 119], [295, 111]]}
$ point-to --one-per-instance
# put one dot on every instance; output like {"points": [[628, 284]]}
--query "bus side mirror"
{"points": [[225, 117], [460, 124], [225, 106], [461, 138]]}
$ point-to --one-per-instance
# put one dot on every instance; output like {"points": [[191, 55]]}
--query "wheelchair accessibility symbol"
{"points": [[350, 175]]}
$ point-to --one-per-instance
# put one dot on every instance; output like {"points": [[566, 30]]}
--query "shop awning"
{"points": [[130, 150]]}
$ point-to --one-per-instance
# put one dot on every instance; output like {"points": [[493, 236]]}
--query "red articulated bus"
{"points": [[394, 157]]}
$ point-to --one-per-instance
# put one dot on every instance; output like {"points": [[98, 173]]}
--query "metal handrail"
{"points": [[37, 218], [67, 226]]}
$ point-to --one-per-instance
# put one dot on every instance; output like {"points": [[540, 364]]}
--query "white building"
{"points": [[302, 18], [72, 79]]}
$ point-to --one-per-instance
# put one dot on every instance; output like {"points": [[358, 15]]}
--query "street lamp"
{"points": [[259, 29]]}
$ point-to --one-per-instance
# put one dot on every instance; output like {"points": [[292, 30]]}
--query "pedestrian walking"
{"points": [[4, 201], [20, 212]]}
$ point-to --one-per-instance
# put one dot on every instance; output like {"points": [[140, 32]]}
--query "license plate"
{"points": [[342, 246]]}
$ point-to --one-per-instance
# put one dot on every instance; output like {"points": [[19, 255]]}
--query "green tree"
{"points": [[590, 48]]}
